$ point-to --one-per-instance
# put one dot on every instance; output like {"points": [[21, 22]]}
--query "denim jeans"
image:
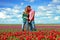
{"points": [[23, 25], [32, 25]]}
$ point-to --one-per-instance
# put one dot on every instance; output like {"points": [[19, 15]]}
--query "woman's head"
{"points": [[28, 8]]}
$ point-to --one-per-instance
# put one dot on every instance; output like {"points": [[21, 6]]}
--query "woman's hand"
{"points": [[26, 17]]}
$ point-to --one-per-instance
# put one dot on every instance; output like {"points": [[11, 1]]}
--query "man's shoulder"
{"points": [[32, 11]]}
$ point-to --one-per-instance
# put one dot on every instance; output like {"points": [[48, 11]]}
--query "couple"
{"points": [[28, 19]]}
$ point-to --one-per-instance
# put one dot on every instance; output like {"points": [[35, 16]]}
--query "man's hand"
{"points": [[29, 21], [26, 17]]}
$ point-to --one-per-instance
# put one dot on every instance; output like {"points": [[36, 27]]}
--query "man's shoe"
{"points": [[22, 30], [34, 29]]}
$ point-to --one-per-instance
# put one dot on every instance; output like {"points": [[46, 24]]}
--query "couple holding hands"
{"points": [[28, 19]]}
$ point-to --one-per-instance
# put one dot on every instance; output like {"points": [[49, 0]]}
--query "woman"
{"points": [[25, 19]]}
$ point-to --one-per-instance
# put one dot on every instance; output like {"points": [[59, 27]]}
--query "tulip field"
{"points": [[43, 32]]}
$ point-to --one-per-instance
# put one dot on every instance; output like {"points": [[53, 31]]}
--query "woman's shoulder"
{"points": [[24, 12]]}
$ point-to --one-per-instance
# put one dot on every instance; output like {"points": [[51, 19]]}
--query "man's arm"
{"points": [[31, 15]]}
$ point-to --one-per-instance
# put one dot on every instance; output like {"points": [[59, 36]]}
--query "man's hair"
{"points": [[29, 6]]}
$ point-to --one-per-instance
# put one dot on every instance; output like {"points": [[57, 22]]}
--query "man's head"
{"points": [[28, 8]]}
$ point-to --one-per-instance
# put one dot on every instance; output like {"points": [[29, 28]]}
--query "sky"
{"points": [[46, 11]]}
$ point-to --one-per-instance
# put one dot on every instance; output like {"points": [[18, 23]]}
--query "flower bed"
{"points": [[27, 35]]}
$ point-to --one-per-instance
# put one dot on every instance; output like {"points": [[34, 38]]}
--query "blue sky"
{"points": [[46, 11]]}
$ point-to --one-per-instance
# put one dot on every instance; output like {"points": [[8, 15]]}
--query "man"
{"points": [[31, 18]]}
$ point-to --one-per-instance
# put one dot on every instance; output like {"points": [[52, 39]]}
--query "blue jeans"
{"points": [[32, 25], [25, 23]]}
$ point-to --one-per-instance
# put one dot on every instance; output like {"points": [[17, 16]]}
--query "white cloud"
{"points": [[38, 13], [30, 0], [50, 5], [7, 16], [3, 11], [22, 3], [49, 11], [56, 18], [9, 12], [39, 21], [58, 11], [8, 9], [41, 7], [49, 17], [48, 14], [56, 1], [45, 11], [58, 7], [17, 7], [10, 20], [2, 15], [15, 10], [54, 6], [19, 16]]}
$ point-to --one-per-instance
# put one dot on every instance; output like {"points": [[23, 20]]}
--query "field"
{"points": [[44, 32], [17, 27]]}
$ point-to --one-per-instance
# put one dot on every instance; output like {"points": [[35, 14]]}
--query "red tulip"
{"points": [[58, 39], [9, 34], [34, 38], [28, 38], [51, 37], [21, 38], [4, 37], [40, 37], [4, 33]]}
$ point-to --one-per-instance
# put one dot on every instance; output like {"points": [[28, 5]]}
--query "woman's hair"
{"points": [[26, 11]]}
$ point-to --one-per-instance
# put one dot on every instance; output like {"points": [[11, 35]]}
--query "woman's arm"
{"points": [[23, 15]]}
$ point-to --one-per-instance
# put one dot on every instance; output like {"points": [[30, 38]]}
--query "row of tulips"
{"points": [[28, 35]]}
